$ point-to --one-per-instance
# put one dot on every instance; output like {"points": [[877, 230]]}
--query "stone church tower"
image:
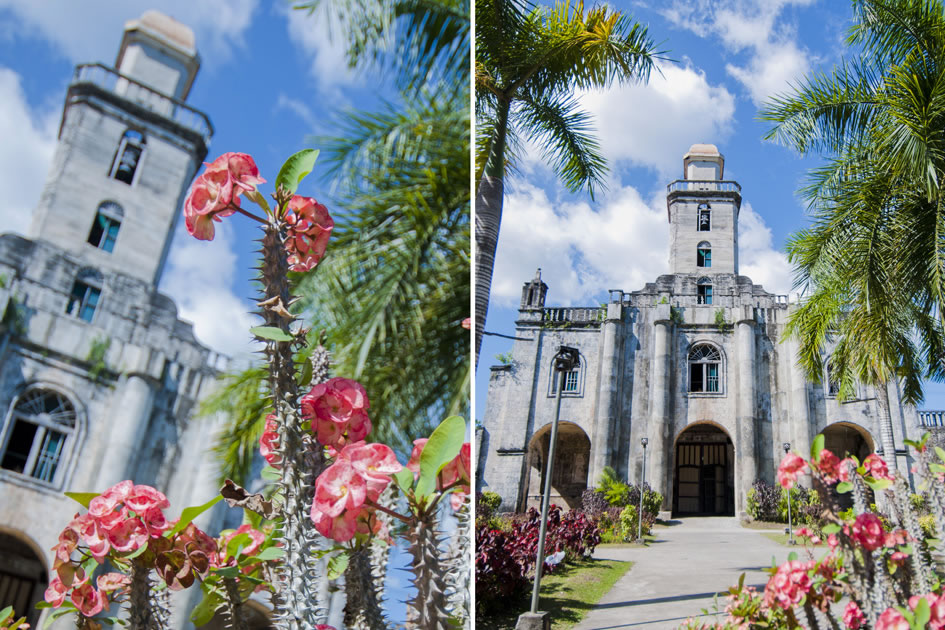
{"points": [[693, 362], [99, 378]]}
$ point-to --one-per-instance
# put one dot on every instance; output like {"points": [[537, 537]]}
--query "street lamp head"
{"points": [[644, 442], [787, 446], [567, 359]]}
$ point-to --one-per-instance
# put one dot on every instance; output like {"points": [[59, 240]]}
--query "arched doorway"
{"points": [[572, 456], [704, 475], [844, 439], [22, 578]]}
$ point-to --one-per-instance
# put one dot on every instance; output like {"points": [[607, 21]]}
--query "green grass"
{"points": [[782, 539], [567, 594]]}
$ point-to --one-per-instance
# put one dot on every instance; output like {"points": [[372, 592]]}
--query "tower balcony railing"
{"points": [[147, 97], [700, 185], [579, 316], [931, 418]]}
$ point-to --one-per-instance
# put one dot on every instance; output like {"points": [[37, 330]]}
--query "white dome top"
{"points": [[167, 28], [703, 149]]}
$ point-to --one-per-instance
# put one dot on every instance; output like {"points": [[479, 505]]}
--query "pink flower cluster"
{"points": [[119, 521], [309, 226], [853, 617], [789, 585], [215, 193], [337, 410], [268, 442], [892, 619], [457, 471], [830, 467], [791, 466], [359, 474]]}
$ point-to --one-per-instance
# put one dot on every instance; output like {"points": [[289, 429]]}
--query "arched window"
{"points": [[573, 381], [128, 156], [704, 223], [85, 295], [704, 291], [38, 433], [704, 254], [705, 369], [105, 227]]}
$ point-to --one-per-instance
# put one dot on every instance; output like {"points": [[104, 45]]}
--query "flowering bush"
{"points": [[877, 561], [501, 578]]}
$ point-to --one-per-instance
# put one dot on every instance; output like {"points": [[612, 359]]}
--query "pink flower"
{"points": [[244, 175], [467, 323], [217, 190], [457, 470], [338, 411], [268, 442], [936, 608], [844, 469], [876, 467], [791, 466], [374, 462], [829, 466], [868, 531], [892, 619], [414, 462], [130, 535], [142, 498], [309, 226], [340, 487], [833, 542], [788, 586], [257, 538], [341, 528], [113, 582], [853, 617], [88, 600], [56, 592]]}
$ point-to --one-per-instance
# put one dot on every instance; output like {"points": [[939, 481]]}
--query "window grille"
{"points": [[40, 426]]}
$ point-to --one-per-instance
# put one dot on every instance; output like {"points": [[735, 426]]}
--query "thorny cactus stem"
{"points": [[299, 608], [362, 610], [144, 615], [427, 610], [234, 604], [936, 493], [910, 522], [457, 566]]}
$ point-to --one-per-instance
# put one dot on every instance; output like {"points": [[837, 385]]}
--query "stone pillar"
{"points": [[660, 423], [605, 424], [130, 418], [800, 409], [747, 470]]}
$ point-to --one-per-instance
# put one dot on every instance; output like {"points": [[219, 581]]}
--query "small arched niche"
{"points": [[572, 459]]}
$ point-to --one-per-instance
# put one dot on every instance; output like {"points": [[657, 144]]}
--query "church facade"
{"points": [[695, 362], [99, 378]]}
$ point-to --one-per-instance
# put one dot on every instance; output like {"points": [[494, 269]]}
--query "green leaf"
{"points": [[236, 544], [831, 528], [137, 552], [337, 565], [937, 468], [259, 199], [844, 486], [940, 453], [792, 557], [296, 168], [404, 479], [205, 610], [305, 377], [442, 447], [82, 498], [229, 572], [922, 614], [270, 473], [271, 553], [8, 612], [878, 484], [190, 513], [271, 333], [67, 607], [817, 447]]}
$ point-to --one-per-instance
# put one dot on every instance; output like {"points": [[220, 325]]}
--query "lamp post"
{"points": [[644, 442], [565, 360], [787, 448]]}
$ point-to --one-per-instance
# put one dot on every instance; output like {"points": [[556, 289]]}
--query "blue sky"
{"points": [[728, 57], [270, 78]]}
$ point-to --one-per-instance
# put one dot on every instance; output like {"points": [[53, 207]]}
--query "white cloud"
{"points": [[757, 257], [199, 277], [622, 244], [318, 37], [29, 140], [653, 125], [581, 251], [297, 107], [91, 31], [775, 58]]}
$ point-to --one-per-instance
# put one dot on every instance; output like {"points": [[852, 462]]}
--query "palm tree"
{"points": [[528, 66], [874, 258], [394, 288]]}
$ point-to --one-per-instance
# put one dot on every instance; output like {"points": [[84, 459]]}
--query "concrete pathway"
{"points": [[679, 574]]}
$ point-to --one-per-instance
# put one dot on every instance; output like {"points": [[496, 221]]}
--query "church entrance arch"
{"points": [[22, 576], [572, 456], [704, 475], [844, 439]]}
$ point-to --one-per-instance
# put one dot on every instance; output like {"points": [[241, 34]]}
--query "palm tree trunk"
{"points": [[885, 426], [488, 219]]}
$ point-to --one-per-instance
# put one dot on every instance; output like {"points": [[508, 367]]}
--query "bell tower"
{"points": [[703, 215], [128, 148]]}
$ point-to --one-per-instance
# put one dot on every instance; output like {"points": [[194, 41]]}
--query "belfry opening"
{"points": [[704, 473]]}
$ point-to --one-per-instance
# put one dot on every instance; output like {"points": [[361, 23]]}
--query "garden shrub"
{"points": [[763, 502], [594, 502], [487, 503], [500, 577]]}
